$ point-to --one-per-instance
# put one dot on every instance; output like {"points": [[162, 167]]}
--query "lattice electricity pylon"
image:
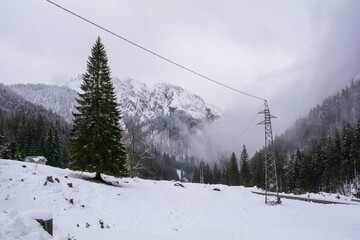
{"points": [[271, 183]]}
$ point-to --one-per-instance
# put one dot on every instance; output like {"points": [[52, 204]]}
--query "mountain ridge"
{"points": [[134, 97], [168, 114]]}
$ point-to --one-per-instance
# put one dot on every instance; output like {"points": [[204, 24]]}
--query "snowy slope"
{"points": [[145, 209]]}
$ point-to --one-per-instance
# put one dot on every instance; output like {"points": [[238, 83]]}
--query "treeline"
{"points": [[226, 171], [328, 164], [320, 152], [333, 113], [27, 130], [161, 166], [22, 136]]}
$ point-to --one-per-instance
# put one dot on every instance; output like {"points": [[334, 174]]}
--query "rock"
{"points": [[178, 185], [47, 225], [50, 179]]}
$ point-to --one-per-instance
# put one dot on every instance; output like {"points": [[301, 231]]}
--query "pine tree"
{"points": [[280, 171], [245, 175], [297, 162], [233, 172], [258, 170], [224, 176], [196, 175], [41, 146], [329, 181], [216, 174], [208, 178], [346, 154], [289, 174], [338, 158], [53, 154], [95, 140]]}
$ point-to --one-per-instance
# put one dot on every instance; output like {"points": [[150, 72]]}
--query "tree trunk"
{"points": [[98, 177]]}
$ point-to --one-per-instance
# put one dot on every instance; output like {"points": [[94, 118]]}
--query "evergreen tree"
{"points": [[305, 172], [297, 161], [41, 146], [318, 164], [289, 173], [196, 175], [337, 158], [329, 177], [280, 171], [52, 148], [348, 139], [245, 175], [233, 172], [216, 174], [258, 170], [224, 176], [96, 134], [208, 174]]}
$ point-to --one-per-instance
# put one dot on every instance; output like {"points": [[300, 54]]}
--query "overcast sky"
{"points": [[293, 53]]}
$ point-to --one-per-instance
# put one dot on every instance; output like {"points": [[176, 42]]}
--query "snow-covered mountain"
{"points": [[168, 111], [134, 96], [60, 100], [162, 99]]}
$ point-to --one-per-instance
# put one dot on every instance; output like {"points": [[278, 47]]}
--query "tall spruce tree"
{"points": [[96, 134], [245, 174], [216, 174], [233, 172]]}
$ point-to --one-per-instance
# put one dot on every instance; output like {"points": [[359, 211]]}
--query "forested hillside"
{"points": [[167, 115], [27, 129], [60, 100], [320, 152]]}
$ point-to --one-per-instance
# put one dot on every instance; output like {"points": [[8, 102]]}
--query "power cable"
{"points": [[154, 53], [169, 61], [247, 127]]}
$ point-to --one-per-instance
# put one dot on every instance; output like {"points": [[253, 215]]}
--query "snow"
{"points": [[38, 158], [136, 98], [146, 209], [178, 171]]}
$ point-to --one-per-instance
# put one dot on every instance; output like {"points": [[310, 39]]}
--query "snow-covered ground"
{"points": [[145, 209]]}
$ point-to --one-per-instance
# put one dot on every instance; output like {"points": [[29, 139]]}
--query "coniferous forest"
{"points": [[320, 152], [30, 130], [27, 129]]}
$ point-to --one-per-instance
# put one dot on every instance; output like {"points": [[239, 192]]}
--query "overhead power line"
{"points": [[154, 53], [247, 127]]}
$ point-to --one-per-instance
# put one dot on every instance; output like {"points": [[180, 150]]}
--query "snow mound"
{"points": [[147, 209]]}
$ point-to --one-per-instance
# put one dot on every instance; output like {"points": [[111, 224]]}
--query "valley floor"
{"points": [[146, 209]]}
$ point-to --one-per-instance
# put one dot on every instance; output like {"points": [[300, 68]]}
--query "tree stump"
{"points": [[47, 225]]}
